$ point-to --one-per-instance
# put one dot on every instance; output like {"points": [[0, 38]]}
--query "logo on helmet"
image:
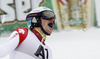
{"points": [[34, 20]]}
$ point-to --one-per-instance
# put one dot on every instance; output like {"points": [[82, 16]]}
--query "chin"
{"points": [[50, 33]]}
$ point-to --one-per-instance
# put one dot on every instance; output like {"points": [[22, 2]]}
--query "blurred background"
{"points": [[77, 28]]}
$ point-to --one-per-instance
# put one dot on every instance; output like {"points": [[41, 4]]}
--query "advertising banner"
{"points": [[74, 14]]}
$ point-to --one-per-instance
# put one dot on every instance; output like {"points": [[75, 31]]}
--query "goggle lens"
{"points": [[48, 15]]}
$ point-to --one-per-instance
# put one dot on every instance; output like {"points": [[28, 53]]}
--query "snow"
{"points": [[74, 44]]}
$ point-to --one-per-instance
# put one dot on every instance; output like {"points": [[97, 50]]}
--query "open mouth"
{"points": [[50, 25]]}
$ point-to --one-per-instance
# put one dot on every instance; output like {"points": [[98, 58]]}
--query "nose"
{"points": [[52, 19]]}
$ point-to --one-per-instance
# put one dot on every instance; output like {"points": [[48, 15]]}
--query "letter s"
{"points": [[10, 16]]}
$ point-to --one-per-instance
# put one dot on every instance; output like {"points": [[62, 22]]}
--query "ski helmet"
{"points": [[33, 18]]}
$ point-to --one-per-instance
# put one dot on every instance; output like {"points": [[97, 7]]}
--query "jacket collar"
{"points": [[39, 36]]}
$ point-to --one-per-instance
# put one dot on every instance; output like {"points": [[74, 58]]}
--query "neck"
{"points": [[40, 31]]}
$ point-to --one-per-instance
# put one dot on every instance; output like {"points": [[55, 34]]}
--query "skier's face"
{"points": [[48, 25]]}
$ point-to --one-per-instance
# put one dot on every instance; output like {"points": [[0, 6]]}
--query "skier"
{"points": [[29, 43]]}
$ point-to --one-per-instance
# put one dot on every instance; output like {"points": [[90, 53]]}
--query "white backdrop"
{"points": [[97, 3]]}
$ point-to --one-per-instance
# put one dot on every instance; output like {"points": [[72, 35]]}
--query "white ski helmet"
{"points": [[39, 9], [33, 18]]}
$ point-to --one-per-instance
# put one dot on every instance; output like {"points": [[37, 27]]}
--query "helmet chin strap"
{"points": [[44, 30]]}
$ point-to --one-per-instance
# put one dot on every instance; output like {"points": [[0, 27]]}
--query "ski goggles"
{"points": [[47, 14]]}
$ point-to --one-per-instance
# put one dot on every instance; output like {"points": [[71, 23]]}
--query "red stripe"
{"points": [[61, 2], [85, 1]]}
